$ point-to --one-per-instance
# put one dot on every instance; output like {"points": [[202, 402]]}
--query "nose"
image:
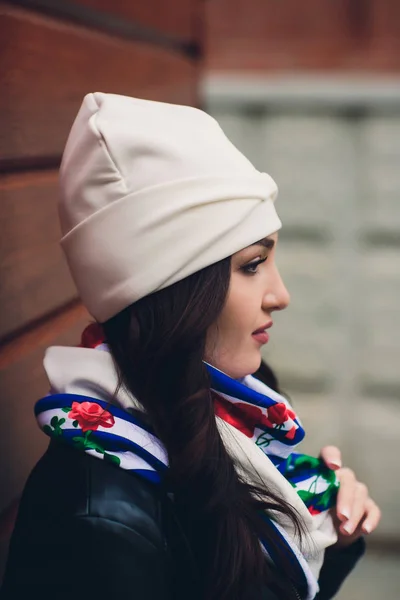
{"points": [[276, 297]]}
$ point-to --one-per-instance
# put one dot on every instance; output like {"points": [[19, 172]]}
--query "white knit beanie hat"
{"points": [[151, 193]]}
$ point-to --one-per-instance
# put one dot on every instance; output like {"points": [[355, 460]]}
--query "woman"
{"points": [[170, 235]]}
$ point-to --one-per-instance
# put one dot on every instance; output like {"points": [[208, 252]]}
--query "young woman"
{"points": [[171, 471]]}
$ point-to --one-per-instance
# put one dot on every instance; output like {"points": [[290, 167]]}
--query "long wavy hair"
{"points": [[158, 346]]}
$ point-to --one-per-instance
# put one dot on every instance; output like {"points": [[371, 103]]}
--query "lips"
{"points": [[263, 328], [261, 335], [262, 338]]}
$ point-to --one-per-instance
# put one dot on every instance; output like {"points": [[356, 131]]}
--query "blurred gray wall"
{"points": [[333, 146]]}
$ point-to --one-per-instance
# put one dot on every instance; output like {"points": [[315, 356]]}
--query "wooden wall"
{"points": [[52, 52], [288, 35]]}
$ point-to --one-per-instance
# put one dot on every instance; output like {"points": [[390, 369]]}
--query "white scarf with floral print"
{"points": [[88, 372]]}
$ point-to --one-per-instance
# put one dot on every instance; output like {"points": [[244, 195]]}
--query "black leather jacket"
{"points": [[87, 529]]}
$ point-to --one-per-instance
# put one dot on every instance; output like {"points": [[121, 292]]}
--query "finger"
{"points": [[358, 509], [373, 516], [332, 457], [346, 493]]}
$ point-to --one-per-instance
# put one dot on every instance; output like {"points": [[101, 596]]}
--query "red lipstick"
{"points": [[261, 335]]}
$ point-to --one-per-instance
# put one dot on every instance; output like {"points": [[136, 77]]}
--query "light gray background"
{"points": [[333, 146]]}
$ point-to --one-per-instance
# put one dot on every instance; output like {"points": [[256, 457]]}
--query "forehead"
{"points": [[262, 245], [267, 242]]}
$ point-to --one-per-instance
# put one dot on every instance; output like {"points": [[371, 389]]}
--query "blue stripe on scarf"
{"points": [[297, 574], [226, 385], [152, 476], [222, 383], [115, 443]]}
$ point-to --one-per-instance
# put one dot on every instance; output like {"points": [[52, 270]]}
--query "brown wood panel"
{"points": [[345, 35], [33, 272], [175, 16], [22, 382], [47, 67]]}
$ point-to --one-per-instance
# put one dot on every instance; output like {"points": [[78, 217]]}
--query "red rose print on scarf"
{"points": [[242, 416], [313, 511], [278, 414], [90, 416], [246, 417], [92, 336]]}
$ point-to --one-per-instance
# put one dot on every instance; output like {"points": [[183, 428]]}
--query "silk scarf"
{"points": [[264, 417]]}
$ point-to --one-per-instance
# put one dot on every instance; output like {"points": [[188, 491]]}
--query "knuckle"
{"points": [[333, 449], [362, 488], [348, 473], [375, 510]]}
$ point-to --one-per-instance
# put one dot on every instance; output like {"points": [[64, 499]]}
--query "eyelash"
{"points": [[253, 265]]}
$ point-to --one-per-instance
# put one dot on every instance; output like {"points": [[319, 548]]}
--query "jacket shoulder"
{"points": [[73, 483], [86, 526]]}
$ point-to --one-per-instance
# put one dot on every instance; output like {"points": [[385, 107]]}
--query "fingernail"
{"points": [[334, 465], [367, 528], [345, 514], [348, 528]]}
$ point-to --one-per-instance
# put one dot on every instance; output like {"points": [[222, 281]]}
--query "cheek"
{"points": [[230, 347], [243, 304], [236, 317]]}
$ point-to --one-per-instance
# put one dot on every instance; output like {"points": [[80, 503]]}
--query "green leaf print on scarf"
{"points": [[112, 459], [54, 429], [85, 443], [264, 440], [305, 495], [316, 502], [303, 460]]}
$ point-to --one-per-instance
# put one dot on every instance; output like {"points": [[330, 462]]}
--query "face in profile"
{"points": [[256, 290]]}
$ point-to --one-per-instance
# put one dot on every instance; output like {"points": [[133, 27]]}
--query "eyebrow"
{"points": [[266, 242]]}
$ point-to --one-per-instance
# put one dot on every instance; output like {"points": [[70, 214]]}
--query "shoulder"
{"points": [[87, 527], [70, 484]]}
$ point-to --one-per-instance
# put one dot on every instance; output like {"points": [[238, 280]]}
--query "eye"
{"points": [[251, 268]]}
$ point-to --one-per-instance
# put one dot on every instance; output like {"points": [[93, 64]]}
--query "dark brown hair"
{"points": [[158, 345]]}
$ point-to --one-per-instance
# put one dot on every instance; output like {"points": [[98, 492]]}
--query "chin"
{"points": [[240, 368], [258, 365]]}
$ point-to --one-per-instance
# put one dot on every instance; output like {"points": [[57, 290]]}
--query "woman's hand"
{"points": [[356, 514]]}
